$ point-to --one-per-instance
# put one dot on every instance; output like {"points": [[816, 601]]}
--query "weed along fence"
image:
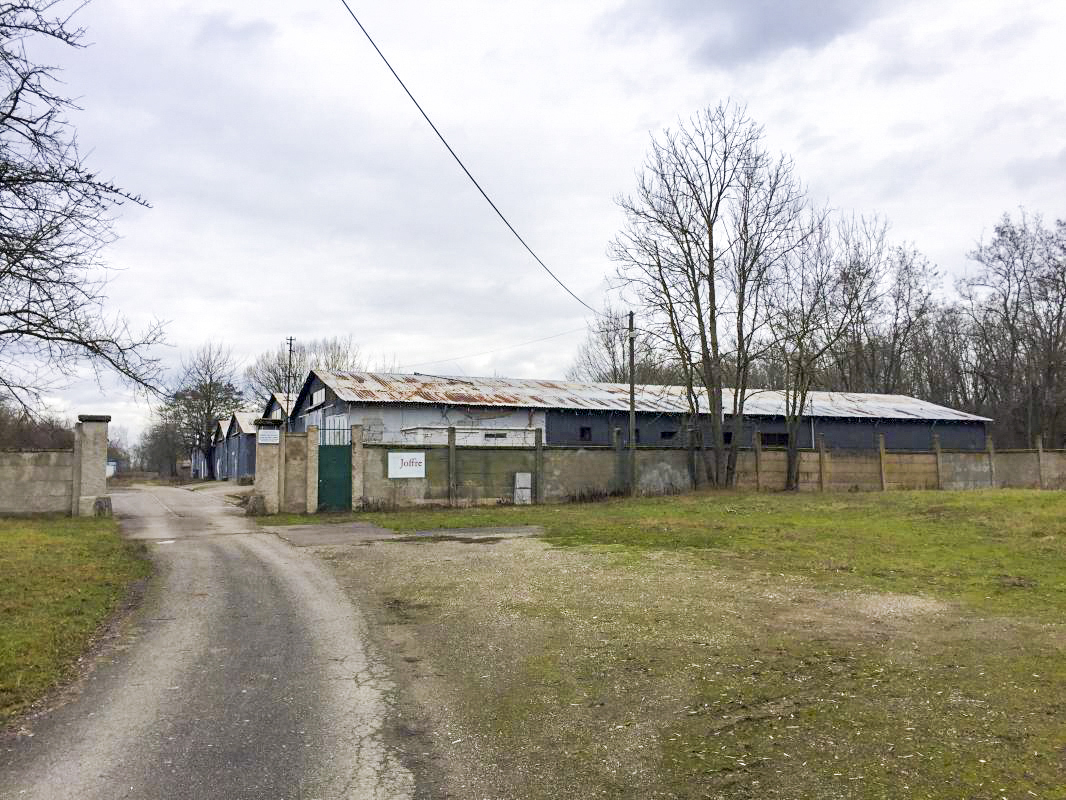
{"points": [[72, 482], [330, 470]]}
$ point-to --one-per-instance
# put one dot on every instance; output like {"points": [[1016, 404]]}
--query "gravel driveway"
{"points": [[245, 674]]}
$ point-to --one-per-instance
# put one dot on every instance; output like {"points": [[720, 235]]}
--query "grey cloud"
{"points": [[1025, 172], [222, 29], [731, 33]]}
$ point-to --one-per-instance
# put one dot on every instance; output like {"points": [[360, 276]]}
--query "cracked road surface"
{"points": [[244, 675]]}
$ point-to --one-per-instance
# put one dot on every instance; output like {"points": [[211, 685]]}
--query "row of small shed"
{"points": [[421, 409]]}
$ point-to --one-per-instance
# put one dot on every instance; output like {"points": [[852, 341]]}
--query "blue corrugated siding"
{"points": [[564, 428]]}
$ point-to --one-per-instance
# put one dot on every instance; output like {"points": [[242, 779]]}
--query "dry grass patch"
{"points": [[544, 672]]}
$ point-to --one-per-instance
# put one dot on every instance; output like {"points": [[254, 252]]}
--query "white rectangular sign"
{"points": [[268, 436], [407, 465]]}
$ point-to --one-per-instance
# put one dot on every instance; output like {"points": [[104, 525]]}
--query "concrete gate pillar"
{"points": [[268, 463], [90, 466]]}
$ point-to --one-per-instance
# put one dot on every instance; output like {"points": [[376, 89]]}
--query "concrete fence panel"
{"points": [[910, 471], [1017, 469], [966, 470], [59, 481]]}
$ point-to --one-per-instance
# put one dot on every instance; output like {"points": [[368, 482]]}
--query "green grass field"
{"points": [[741, 645], [1002, 551], [60, 578]]}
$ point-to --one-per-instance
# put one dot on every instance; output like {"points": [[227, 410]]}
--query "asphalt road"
{"points": [[244, 675]]}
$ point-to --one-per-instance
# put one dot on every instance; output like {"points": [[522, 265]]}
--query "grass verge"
{"points": [[60, 578], [1001, 551], [736, 645]]}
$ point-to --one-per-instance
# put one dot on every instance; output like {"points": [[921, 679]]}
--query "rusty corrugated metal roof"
{"points": [[372, 387]]}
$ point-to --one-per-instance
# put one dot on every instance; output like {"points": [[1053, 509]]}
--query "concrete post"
{"points": [[311, 470], [881, 458], [538, 466], [690, 449], [75, 484], [358, 469], [823, 464], [453, 478], [939, 462], [1040, 460], [281, 467], [268, 446], [991, 462], [757, 443], [619, 459], [90, 465]]}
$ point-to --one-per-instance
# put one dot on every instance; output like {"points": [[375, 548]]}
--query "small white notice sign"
{"points": [[407, 465], [268, 436]]}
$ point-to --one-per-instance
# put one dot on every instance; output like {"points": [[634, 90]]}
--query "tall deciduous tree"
{"points": [[206, 392], [55, 217], [711, 221], [1016, 306]]}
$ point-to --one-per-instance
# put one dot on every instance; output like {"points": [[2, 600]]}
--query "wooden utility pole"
{"points": [[632, 411]]}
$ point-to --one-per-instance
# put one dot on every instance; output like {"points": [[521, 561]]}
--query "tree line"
{"points": [[210, 386], [742, 282]]}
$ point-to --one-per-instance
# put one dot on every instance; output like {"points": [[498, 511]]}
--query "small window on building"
{"points": [[585, 433], [318, 398], [727, 437], [667, 435], [495, 435], [775, 440]]}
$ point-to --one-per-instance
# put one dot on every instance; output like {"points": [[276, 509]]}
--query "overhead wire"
{"points": [[461, 164]]}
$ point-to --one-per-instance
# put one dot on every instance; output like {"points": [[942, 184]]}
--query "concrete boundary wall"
{"points": [[58, 481], [287, 471]]}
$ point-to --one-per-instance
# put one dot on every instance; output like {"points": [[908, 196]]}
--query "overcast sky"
{"points": [[296, 191]]}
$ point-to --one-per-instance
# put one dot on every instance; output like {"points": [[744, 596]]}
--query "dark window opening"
{"points": [[495, 435], [667, 434], [637, 439], [585, 434], [775, 440], [727, 437]]}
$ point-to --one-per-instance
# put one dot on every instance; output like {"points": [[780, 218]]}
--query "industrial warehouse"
{"points": [[419, 409], [370, 440]]}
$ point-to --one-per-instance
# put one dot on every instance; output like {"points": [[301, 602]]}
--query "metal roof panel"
{"points": [[571, 395]]}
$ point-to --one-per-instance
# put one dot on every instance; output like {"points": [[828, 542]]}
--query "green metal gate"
{"points": [[334, 470]]}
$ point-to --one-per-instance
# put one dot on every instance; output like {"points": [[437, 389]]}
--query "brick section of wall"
{"points": [[36, 482]]}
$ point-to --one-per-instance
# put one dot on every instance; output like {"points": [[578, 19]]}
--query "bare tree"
{"points": [[1016, 305], [55, 217], [271, 371], [206, 392], [830, 276], [712, 219], [604, 355]]}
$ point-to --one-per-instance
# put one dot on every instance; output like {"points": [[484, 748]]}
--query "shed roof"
{"points": [[282, 400], [367, 387], [244, 421], [222, 428]]}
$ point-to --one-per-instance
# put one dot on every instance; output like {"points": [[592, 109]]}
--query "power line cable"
{"points": [[460, 162]]}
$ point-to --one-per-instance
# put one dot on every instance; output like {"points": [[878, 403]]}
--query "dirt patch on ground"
{"points": [[532, 672]]}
